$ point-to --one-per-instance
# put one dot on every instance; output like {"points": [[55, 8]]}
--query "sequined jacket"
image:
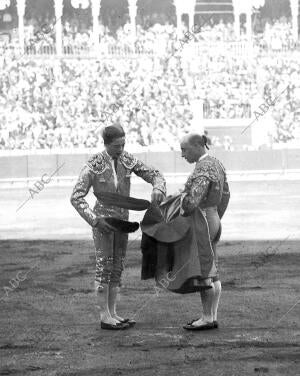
{"points": [[99, 174], [206, 187]]}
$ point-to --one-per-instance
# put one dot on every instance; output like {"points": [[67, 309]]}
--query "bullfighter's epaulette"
{"points": [[97, 163], [208, 168], [128, 160]]}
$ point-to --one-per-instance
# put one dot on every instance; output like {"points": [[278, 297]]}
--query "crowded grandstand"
{"points": [[144, 81]]}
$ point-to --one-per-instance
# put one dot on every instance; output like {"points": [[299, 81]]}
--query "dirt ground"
{"points": [[50, 325]]}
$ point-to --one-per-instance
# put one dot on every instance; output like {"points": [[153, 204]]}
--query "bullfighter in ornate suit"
{"points": [[179, 240], [207, 191], [110, 171]]}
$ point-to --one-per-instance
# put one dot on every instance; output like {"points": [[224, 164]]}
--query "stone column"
{"points": [[190, 7], [295, 12], [132, 14], [21, 13], [237, 24], [179, 12], [58, 24], [249, 22], [95, 15]]}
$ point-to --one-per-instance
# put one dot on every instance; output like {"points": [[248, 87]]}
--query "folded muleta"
{"points": [[125, 202]]}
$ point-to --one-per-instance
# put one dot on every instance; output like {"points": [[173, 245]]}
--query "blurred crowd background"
{"points": [[51, 103]]}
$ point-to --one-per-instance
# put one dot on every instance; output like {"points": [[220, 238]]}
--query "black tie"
{"points": [[116, 164]]}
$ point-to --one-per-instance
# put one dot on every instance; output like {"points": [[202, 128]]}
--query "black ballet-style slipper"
{"points": [[130, 322], [117, 326], [207, 326], [216, 325]]}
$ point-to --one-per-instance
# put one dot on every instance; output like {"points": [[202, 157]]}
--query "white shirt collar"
{"points": [[203, 156]]}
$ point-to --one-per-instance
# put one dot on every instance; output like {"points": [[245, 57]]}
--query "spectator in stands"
{"points": [[57, 104]]}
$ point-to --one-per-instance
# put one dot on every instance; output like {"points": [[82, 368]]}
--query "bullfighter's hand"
{"points": [[157, 196]]}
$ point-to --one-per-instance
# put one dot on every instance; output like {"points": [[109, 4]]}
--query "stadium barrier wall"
{"points": [[69, 164]]}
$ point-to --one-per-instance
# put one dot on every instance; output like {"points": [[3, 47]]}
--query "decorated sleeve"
{"points": [[192, 198], [150, 175], [79, 193], [224, 199]]}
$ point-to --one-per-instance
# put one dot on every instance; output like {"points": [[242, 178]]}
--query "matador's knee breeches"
{"points": [[110, 251]]}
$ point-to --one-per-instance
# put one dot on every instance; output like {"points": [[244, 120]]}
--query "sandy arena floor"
{"points": [[50, 325]]}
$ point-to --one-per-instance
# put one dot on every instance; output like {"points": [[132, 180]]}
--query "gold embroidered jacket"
{"points": [[99, 174], [207, 186]]}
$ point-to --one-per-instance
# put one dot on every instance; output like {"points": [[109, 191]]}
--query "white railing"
{"points": [[51, 50], [234, 48], [242, 48]]}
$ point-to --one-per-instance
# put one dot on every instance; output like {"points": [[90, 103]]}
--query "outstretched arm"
{"points": [[154, 177]]}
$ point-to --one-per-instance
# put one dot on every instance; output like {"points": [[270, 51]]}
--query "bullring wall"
{"points": [[35, 165]]}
